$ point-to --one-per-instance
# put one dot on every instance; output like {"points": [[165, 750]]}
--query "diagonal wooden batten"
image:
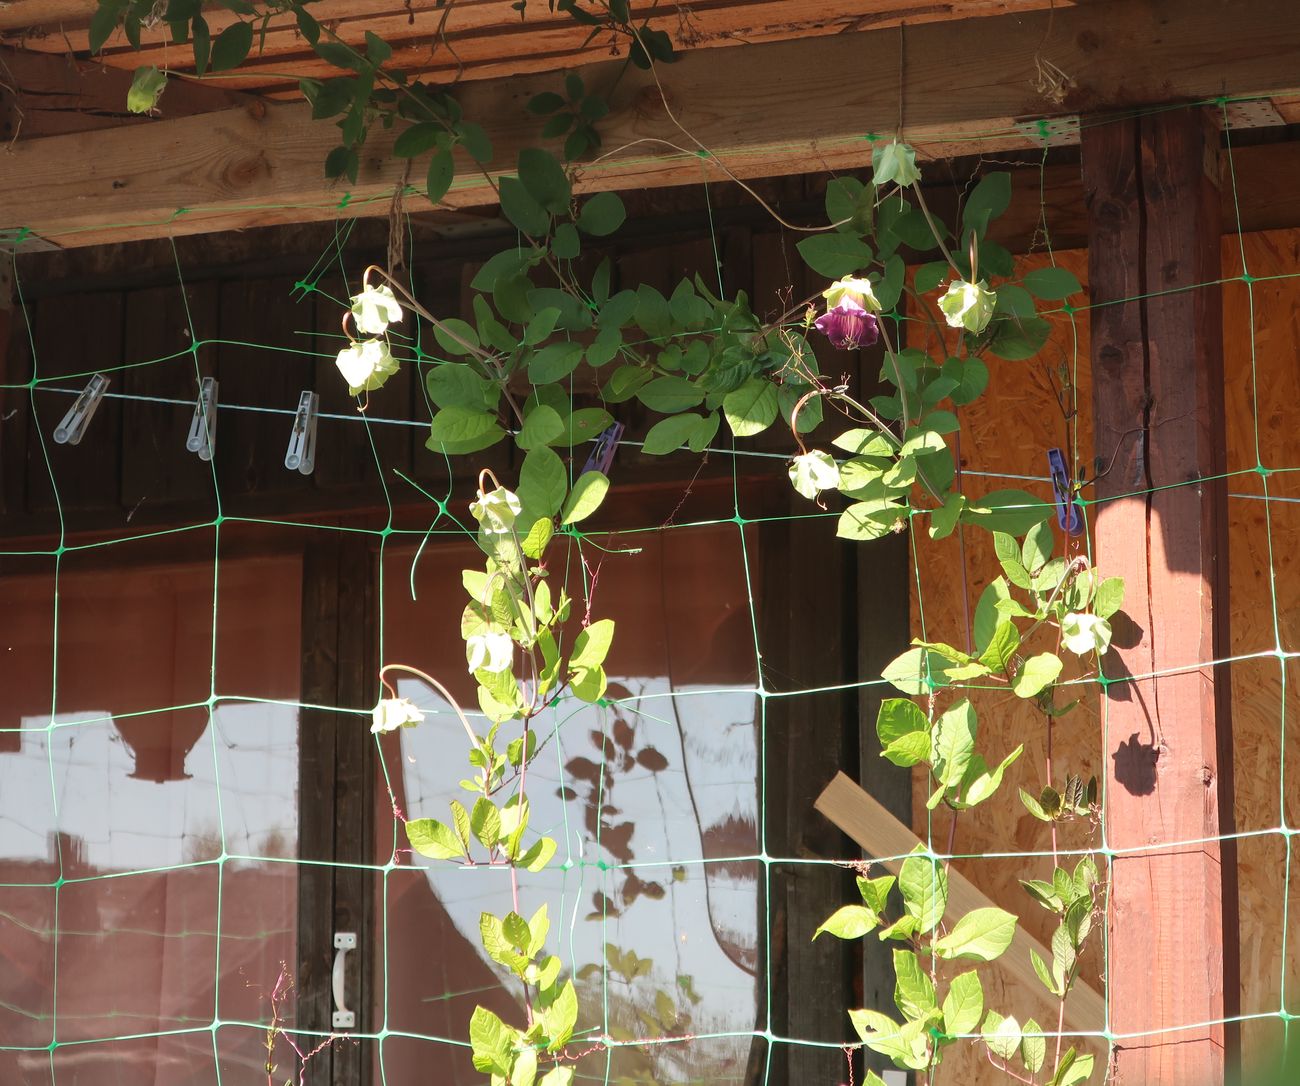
{"points": [[881, 834]]}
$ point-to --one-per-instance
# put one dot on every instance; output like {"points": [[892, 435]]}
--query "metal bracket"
{"points": [[343, 942]]}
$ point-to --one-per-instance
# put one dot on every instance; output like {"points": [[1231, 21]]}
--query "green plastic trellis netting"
{"points": [[149, 756]]}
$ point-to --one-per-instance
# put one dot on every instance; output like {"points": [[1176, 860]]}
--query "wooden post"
{"points": [[1151, 186]]}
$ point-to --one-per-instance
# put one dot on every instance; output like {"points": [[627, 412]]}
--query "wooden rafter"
{"points": [[783, 107], [476, 39], [44, 94]]}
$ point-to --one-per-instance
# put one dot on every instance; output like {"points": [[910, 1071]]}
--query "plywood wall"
{"points": [[1027, 410]]}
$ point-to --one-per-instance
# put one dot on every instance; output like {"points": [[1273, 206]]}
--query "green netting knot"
{"points": [[1068, 309], [603, 703], [347, 199], [1247, 278], [871, 137], [703, 154]]}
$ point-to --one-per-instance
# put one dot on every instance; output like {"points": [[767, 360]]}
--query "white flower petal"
{"points": [[813, 472], [393, 713], [374, 309], [496, 510]]}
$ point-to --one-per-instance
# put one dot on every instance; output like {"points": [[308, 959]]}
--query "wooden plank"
{"points": [[1157, 356], [316, 795], [354, 888], [76, 336], [808, 736], [967, 87], [15, 403], [48, 95], [488, 38], [880, 834], [162, 328], [261, 362]]}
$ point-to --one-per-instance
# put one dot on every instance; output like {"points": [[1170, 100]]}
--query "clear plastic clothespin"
{"points": [[73, 427], [203, 427], [301, 455]]}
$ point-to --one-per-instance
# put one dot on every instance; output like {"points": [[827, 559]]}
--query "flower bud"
{"points": [[374, 309], [393, 713], [968, 305]]}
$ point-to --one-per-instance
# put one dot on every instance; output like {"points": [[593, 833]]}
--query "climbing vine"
{"points": [[552, 349]]}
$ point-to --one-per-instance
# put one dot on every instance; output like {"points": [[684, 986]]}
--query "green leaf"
{"points": [[624, 382], [417, 139], [916, 671], [751, 408], [602, 214], [982, 935], [930, 276], [491, 1042], [539, 855], [455, 336], [971, 375], [103, 23], [1002, 1035], [585, 424], [1010, 511], [1018, 338], [850, 922], [705, 431], [232, 46], [989, 199], [834, 254], [987, 616], [543, 482], [543, 177], [521, 208], [430, 837], [501, 266], [1078, 1069], [944, 519], [542, 425], [561, 1016], [458, 430], [875, 892], [870, 519], [954, 742], [1037, 549], [908, 750], [1001, 647], [1034, 807], [1036, 674], [544, 103], [1109, 598], [475, 141], [1052, 284], [554, 362], [558, 1076], [924, 885], [454, 383], [898, 717], [592, 644], [588, 492], [670, 394], [670, 434], [442, 171], [202, 45], [963, 1006], [913, 990], [485, 822]]}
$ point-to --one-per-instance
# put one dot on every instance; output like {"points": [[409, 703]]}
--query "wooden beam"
{"points": [[879, 833], [488, 39], [775, 108], [1152, 188], [49, 95]]}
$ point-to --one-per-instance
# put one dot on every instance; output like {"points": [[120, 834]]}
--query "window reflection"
{"points": [[107, 777], [652, 798]]}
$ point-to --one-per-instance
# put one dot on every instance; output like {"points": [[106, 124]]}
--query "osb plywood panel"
{"points": [[1026, 411]]}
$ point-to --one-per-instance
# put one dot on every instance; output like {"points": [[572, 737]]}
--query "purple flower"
{"points": [[848, 326]]}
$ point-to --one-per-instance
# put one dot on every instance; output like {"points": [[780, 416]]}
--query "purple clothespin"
{"points": [[603, 454], [1067, 513]]}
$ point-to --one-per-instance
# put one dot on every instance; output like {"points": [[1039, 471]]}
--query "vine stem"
{"points": [[447, 694], [925, 210]]}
